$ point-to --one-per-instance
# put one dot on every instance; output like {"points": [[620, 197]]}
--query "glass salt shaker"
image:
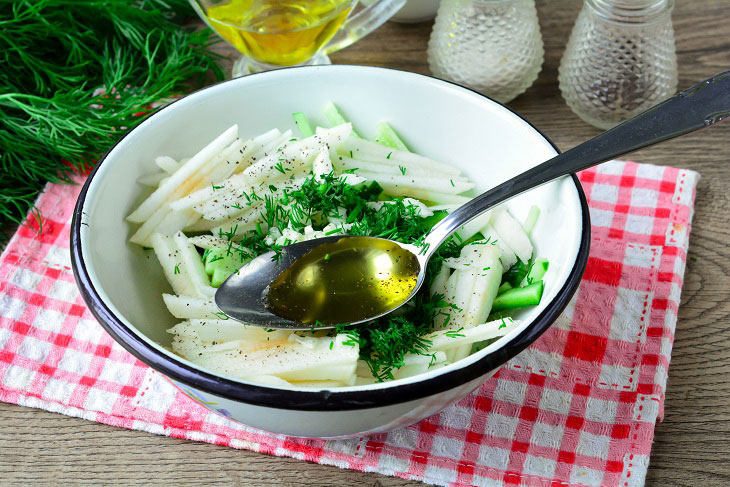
{"points": [[620, 60], [492, 46]]}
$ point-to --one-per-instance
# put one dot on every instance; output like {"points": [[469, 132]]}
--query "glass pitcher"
{"points": [[272, 34]]}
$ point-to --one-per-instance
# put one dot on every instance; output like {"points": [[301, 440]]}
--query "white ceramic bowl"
{"points": [[122, 286]]}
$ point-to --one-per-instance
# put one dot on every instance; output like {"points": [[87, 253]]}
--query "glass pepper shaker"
{"points": [[492, 46], [620, 60]]}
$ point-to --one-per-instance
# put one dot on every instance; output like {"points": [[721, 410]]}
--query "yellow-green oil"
{"points": [[280, 32], [349, 280]]}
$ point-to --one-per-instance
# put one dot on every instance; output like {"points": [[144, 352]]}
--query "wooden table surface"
{"points": [[692, 445]]}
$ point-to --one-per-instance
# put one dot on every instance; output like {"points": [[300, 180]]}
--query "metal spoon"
{"points": [[243, 295]]}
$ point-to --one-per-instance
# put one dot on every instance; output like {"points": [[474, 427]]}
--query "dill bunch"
{"points": [[76, 74]]}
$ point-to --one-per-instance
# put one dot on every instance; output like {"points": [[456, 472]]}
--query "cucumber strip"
{"points": [[531, 220], [220, 274], [334, 117], [211, 259], [219, 264], [536, 272], [302, 124], [387, 136], [506, 286], [519, 297]]}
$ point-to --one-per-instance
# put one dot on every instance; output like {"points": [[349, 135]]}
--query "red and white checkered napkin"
{"points": [[576, 408]]}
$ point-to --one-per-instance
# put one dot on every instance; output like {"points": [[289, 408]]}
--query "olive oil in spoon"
{"points": [[344, 281]]}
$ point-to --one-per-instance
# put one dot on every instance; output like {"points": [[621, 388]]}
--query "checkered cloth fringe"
{"points": [[578, 407]]}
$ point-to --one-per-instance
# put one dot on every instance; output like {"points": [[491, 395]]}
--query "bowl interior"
{"points": [[438, 119]]}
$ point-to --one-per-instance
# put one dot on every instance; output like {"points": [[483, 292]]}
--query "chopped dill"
{"points": [[455, 333]]}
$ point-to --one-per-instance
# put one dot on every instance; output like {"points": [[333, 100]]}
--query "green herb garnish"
{"points": [[76, 75]]}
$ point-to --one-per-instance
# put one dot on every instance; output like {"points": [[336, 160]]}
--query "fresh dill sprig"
{"points": [[76, 75]]}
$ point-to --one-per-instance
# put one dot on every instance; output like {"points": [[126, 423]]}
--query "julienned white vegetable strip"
{"points": [[443, 319], [507, 255], [167, 164], [418, 182], [438, 286], [322, 164], [473, 227], [188, 307], [512, 233], [324, 358], [190, 262], [154, 179], [225, 330], [167, 254], [227, 206], [477, 277], [345, 163], [259, 147], [166, 220], [424, 194], [454, 337], [371, 151], [182, 265], [295, 156], [184, 180], [487, 271]]}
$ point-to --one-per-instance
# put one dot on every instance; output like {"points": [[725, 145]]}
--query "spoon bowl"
{"points": [[321, 283]]}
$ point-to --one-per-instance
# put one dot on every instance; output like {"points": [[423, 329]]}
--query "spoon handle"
{"points": [[697, 107]]}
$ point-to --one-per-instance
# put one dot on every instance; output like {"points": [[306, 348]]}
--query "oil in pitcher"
{"points": [[278, 32]]}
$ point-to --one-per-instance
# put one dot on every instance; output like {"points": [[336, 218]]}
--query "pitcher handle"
{"points": [[362, 23]]}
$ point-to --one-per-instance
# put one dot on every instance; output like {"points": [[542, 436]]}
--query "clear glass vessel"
{"points": [[620, 60], [271, 34], [492, 46]]}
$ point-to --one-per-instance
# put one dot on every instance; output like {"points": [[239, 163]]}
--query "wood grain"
{"points": [[691, 446]]}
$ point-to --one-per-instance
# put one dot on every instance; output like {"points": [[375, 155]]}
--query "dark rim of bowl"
{"points": [[325, 400]]}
